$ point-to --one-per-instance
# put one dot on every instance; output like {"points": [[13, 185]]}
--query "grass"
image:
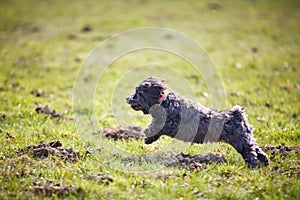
{"points": [[254, 44]]}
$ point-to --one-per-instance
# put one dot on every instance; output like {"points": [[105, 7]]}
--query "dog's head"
{"points": [[148, 93]]}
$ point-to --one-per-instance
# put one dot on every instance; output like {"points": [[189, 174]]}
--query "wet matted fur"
{"points": [[187, 120]]}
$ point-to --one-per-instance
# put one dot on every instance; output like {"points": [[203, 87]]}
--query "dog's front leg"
{"points": [[149, 140], [152, 131]]}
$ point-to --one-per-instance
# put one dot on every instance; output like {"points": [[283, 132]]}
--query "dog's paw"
{"points": [[262, 157], [149, 140]]}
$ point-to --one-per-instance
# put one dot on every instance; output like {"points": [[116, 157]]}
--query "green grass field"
{"points": [[255, 46]]}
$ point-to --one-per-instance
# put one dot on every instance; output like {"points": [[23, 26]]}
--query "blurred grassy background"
{"points": [[254, 44]]}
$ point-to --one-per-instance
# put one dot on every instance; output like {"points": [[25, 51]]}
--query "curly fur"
{"points": [[189, 121]]}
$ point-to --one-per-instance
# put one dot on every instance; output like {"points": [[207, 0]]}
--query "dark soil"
{"points": [[281, 149], [194, 162], [184, 161], [43, 150], [124, 133], [86, 28], [52, 113], [37, 93], [2, 116], [100, 178], [49, 190]]}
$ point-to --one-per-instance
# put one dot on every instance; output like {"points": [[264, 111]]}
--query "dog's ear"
{"points": [[157, 79], [154, 82]]}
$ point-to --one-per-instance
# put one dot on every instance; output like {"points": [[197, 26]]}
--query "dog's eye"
{"points": [[137, 92]]}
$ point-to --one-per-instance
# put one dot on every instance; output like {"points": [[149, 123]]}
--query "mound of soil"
{"points": [[100, 178], [124, 133], [49, 190], [194, 162], [52, 113], [43, 150], [281, 149], [185, 161]]}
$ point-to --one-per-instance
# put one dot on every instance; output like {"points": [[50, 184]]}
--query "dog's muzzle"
{"points": [[128, 99], [133, 103]]}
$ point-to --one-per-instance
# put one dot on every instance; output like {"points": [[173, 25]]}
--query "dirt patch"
{"points": [[43, 150], [281, 149], [194, 162], [184, 161], [52, 113], [2, 116], [49, 190], [100, 178], [37, 93], [124, 133], [135, 159], [86, 28]]}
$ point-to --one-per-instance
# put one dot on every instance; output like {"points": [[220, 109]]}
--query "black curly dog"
{"points": [[189, 121]]}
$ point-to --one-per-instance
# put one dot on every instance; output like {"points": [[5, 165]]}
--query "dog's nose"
{"points": [[128, 99]]}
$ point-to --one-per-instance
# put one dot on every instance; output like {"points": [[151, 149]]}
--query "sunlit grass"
{"points": [[254, 44]]}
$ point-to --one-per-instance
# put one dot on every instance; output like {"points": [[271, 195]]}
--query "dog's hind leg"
{"points": [[260, 154], [246, 149], [246, 145], [239, 134]]}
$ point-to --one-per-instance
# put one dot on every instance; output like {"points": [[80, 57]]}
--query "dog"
{"points": [[189, 121]]}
